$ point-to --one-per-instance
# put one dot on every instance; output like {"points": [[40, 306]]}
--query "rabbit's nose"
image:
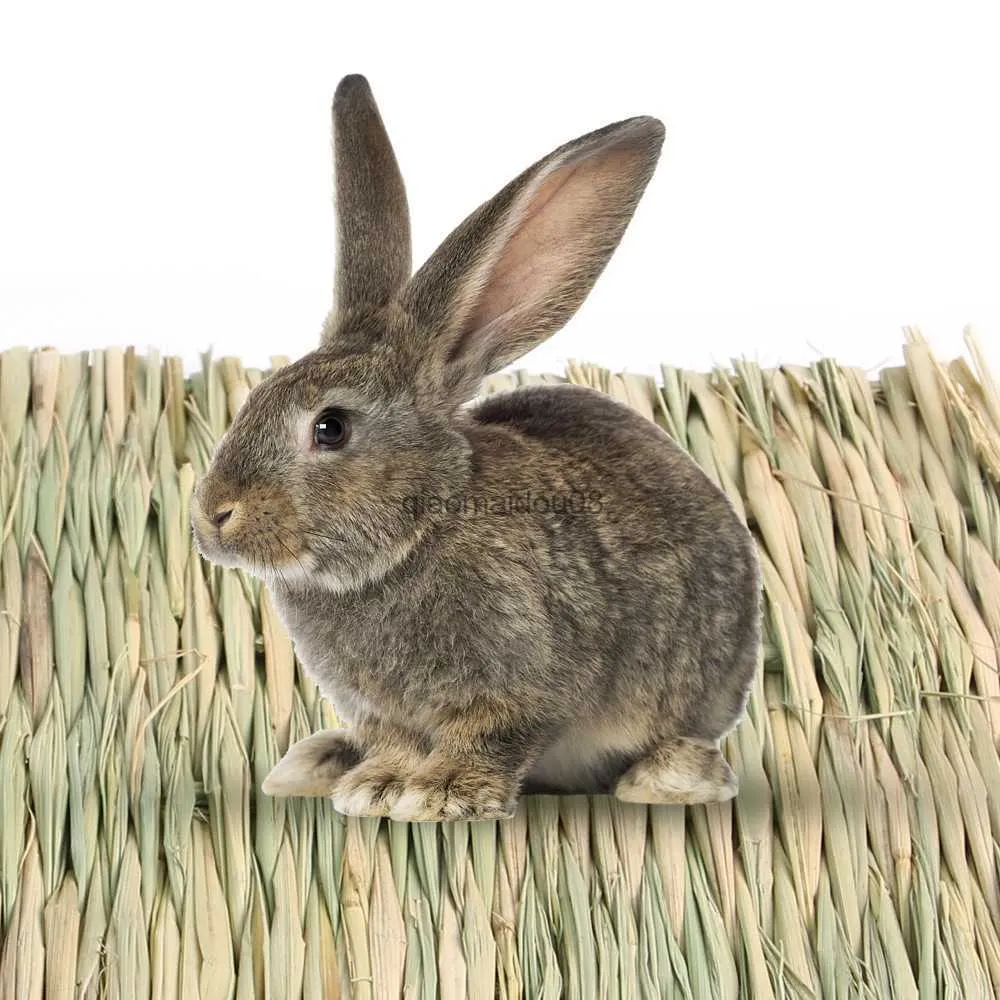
{"points": [[223, 513]]}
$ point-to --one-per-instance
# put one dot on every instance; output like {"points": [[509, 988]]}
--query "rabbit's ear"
{"points": [[517, 269], [373, 222]]}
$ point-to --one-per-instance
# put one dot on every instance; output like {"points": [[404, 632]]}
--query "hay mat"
{"points": [[144, 695]]}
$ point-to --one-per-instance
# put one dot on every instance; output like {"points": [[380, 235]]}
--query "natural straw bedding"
{"points": [[144, 695]]}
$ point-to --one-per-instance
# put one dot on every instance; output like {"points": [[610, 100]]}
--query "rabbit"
{"points": [[534, 591]]}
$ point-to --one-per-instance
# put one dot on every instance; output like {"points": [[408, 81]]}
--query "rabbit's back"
{"points": [[587, 453]]}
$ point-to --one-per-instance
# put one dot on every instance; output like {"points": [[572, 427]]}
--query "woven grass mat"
{"points": [[144, 695]]}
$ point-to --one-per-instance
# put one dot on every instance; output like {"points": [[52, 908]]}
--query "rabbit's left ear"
{"points": [[373, 220], [516, 270]]}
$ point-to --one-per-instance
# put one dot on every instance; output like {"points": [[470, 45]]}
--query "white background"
{"points": [[831, 171]]}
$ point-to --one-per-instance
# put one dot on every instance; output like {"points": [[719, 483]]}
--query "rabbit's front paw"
{"points": [[370, 789], [455, 795]]}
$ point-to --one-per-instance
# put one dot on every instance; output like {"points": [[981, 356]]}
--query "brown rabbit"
{"points": [[540, 592]]}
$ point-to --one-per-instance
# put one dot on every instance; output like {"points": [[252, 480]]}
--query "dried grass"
{"points": [[144, 695]]}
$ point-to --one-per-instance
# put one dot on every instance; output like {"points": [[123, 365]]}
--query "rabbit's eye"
{"points": [[331, 430]]}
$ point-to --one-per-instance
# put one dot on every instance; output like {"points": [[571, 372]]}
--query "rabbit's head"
{"points": [[312, 482]]}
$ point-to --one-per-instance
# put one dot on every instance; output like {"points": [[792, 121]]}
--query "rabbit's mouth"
{"points": [[257, 535]]}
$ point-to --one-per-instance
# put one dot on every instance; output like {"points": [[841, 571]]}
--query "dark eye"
{"points": [[331, 430]]}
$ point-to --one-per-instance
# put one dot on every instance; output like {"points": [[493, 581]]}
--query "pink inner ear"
{"points": [[557, 238]]}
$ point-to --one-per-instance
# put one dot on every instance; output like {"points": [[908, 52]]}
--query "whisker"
{"points": [[291, 552]]}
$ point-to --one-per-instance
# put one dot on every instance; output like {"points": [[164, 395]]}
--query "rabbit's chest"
{"points": [[367, 655], [420, 652]]}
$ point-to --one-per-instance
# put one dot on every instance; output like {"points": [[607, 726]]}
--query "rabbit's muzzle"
{"points": [[254, 528]]}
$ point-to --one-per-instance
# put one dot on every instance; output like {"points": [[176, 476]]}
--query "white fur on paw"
{"points": [[358, 795], [433, 805], [678, 789], [280, 782], [410, 807], [312, 766], [354, 802], [287, 778]]}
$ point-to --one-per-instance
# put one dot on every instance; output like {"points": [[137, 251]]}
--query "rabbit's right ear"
{"points": [[373, 221], [519, 266]]}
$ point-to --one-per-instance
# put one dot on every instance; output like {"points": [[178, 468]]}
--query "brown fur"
{"points": [[601, 636]]}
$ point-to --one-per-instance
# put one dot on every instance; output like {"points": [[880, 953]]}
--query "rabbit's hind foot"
{"points": [[679, 772], [313, 766]]}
